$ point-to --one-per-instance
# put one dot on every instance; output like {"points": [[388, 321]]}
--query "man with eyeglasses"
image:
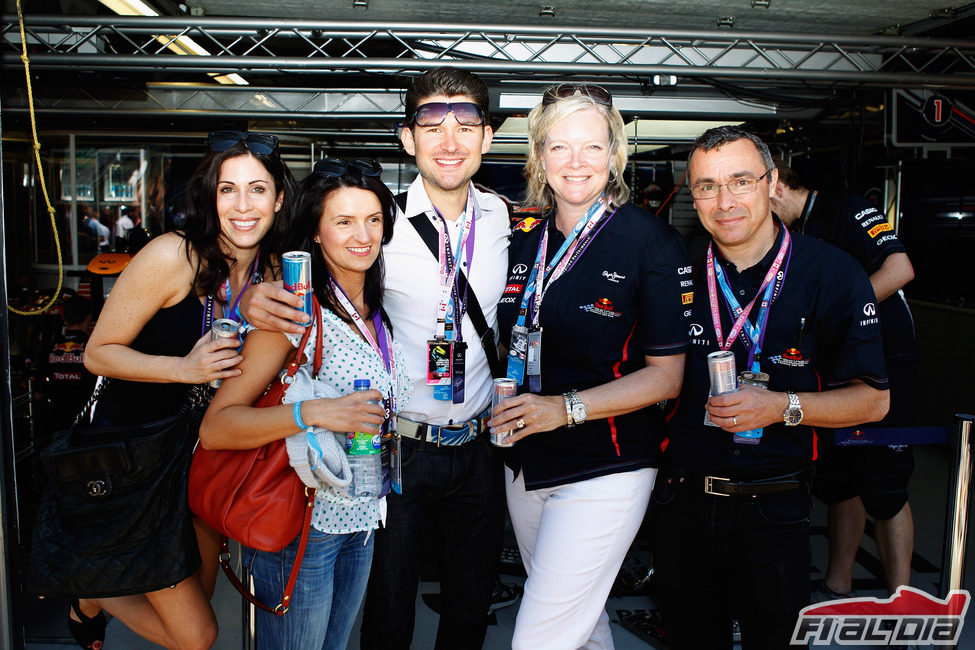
{"points": [[855, 481], [731, 502]]}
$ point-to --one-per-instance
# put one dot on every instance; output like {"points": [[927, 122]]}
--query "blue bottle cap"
{"points": [[361, 384]]}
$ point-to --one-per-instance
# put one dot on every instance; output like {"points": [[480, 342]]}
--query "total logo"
{"points": [[910, 616]]}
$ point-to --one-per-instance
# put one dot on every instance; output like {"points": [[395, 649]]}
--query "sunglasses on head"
{"points": [[434, 113], [329, 167], [260, 143], [563, 91]]}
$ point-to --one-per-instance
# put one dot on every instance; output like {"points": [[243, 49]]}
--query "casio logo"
{"points": [[519, 269], [869, 309], [696, 330], [684, 270]]}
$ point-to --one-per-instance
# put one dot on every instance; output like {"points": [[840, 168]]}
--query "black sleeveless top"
{"points": [[172, 331]]}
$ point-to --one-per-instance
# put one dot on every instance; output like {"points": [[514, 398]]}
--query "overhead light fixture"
{"points": [[947, 12], [726, 21], [893, 30], [664, 80], [547, 11], [360, 3], [177, 44], [761, 3]]}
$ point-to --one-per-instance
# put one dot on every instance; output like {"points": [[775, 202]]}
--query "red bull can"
{"points": [[223, 328], [504, 388], [296, 269], [724, 375]]}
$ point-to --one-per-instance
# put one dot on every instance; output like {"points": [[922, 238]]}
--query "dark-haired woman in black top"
{"points": [[153, 339]]}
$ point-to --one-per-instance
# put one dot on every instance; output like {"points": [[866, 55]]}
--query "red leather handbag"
{"points": [[253, 495]]}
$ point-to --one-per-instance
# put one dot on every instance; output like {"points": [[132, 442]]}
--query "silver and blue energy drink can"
{"points": [[724, 375], [223, 328], [504, 388], [297, 277]]}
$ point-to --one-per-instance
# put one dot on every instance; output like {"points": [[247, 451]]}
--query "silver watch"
{"points": [[575, 410], [793, 413]]}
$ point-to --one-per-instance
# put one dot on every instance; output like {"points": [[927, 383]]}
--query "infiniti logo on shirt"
{"points": [[519, 269]]}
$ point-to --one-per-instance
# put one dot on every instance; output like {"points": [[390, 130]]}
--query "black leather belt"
{"points": [[723, 487]]}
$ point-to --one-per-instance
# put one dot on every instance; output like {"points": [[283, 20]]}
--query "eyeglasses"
{"points": [[329, 167], [563, 91], [259, 143], [434, 113], [743, 185]]}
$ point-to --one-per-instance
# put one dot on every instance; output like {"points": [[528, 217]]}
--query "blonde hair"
{"points": [[543, 117]]}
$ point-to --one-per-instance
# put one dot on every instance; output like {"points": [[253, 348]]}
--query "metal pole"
{"points": [[956, 516]]}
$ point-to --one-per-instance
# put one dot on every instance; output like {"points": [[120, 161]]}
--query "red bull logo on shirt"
{"points": [[910, 616]]}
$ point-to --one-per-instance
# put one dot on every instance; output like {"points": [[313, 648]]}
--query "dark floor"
{"points": [[632, 628]]}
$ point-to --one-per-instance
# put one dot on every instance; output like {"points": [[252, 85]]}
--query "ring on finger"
{"points": [[520, 423], [734, 420]]}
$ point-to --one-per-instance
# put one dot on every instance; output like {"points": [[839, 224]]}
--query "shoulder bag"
{"points": [[254, 496], [113, 519]]}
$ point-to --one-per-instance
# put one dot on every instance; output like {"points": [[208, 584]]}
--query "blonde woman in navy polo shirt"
{"points": [[596, 286]]}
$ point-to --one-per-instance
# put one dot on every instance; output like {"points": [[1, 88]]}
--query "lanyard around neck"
{"points": [[739, 314], [234, 312], [449, 264], [383, 347], [568, 253]]}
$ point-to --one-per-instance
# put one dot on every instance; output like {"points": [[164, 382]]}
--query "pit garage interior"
{"points": [[877, 98]]}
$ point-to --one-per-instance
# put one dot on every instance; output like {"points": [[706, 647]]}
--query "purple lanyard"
{"points": [[384, 346], [448, 267]]}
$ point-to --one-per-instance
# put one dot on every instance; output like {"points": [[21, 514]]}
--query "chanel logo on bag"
{"points": [[98, 488]]}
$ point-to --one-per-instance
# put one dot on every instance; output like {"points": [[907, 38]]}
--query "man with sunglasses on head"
{"points": [[445, 272], [731, 503]]}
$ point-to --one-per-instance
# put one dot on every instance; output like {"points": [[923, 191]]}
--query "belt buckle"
{"points": [[709, 485]]}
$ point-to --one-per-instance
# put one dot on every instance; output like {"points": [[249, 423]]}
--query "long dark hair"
{"points": [[309, 205], [202, 231]]}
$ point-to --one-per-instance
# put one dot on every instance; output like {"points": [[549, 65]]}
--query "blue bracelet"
{"points": [[296, 412]]}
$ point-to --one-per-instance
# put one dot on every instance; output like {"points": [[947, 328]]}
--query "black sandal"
{"points": [[89, 632]]}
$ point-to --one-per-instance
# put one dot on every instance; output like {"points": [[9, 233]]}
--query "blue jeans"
{"points": [[462, 489], [327, 595], [719, 557]]}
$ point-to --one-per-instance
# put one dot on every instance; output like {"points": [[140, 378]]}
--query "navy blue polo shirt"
{"points": [[853, 224], [621, 301], [839, 342]]}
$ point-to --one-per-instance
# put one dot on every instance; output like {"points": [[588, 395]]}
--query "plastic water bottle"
{"points": [[365, 456]]}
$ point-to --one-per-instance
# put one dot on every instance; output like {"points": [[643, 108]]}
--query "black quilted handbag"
{"points": [[114, 519]]}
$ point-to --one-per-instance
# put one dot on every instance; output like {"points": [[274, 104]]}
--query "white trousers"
{"points": [[573, 539]]}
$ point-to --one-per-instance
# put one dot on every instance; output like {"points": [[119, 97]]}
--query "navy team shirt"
{"points": [[624, 299], [853, 224], [840, 342]]}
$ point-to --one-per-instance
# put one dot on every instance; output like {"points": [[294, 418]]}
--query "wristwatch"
{"points": [[575, 410], [793, 413]]}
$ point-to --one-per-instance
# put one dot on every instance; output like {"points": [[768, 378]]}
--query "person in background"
{"points": [[731, 505], [451, 474], [343, 215], [153, 339], [594, 289], [855, 481]]}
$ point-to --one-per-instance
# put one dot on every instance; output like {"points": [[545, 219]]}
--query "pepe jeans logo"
{"points": [[613, 276], [97, 488]]}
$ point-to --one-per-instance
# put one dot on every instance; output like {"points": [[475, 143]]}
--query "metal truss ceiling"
{"points": [[298, 47]]}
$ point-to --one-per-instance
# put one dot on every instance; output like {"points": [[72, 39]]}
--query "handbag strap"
{"points": [[281, 608], [295, 362]]}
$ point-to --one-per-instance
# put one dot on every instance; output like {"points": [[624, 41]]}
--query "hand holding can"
{"points": [[223, 328], [504, 388]]}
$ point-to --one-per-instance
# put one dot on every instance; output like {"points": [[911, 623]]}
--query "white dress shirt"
{"points": [[412, 293]]}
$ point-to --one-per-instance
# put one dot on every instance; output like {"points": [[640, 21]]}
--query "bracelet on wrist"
{"points": [[296, 413]]}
